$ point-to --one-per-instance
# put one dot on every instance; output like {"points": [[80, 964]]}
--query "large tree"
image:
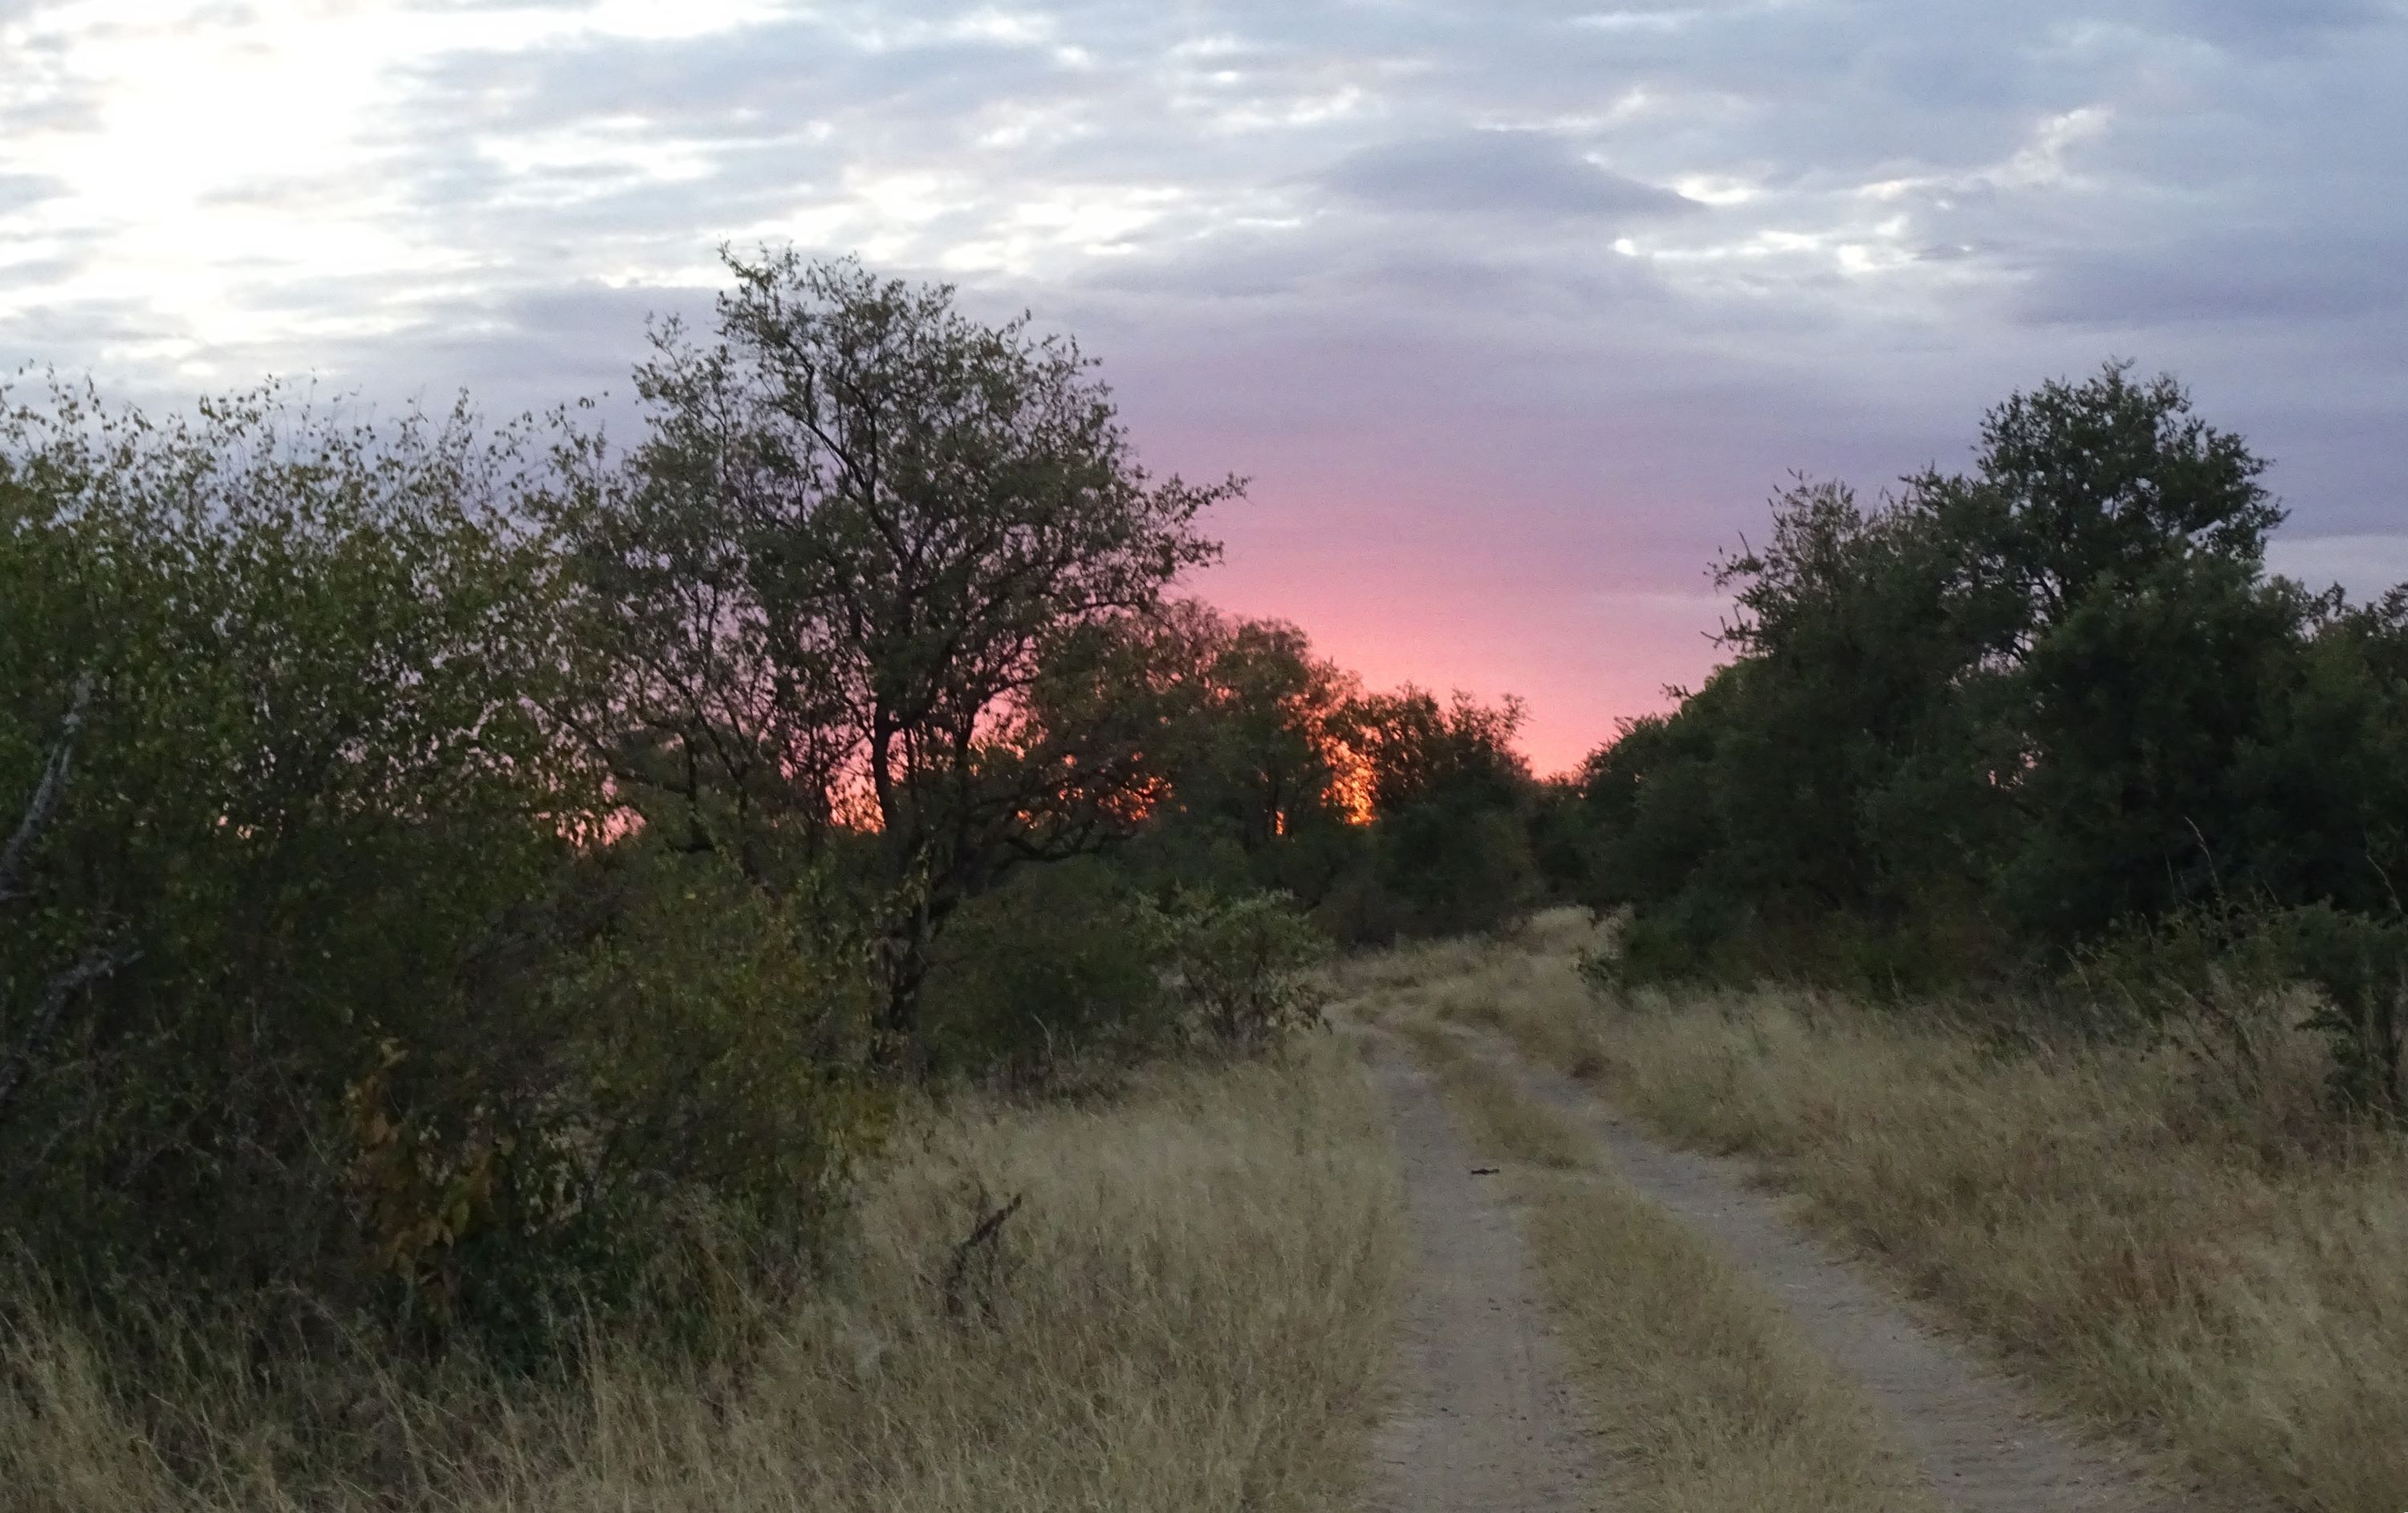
{"points": [[2010, 699], [866, 548]]}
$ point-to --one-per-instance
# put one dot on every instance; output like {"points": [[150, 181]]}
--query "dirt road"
{"points": [[1492, 1421], [1486, 1421]]}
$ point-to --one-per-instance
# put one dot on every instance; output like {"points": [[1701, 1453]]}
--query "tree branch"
{"points": [[64, 986], [46, 793]]}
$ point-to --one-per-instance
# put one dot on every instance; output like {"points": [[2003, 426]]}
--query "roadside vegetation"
{"points": [[2047, 729], [1186, 1308], [506, 934], [2022, 887]]}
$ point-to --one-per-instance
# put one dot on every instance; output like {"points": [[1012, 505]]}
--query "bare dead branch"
{"points": [[47, 793]]}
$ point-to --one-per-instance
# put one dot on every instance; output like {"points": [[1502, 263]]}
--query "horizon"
{"points": [[1514, 318]]}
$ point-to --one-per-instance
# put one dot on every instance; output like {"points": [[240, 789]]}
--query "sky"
{"points": [[1512, 313]]}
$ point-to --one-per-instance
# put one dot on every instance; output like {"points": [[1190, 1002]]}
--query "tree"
{"points": [[2107, 554], [1451, 807], [2012, 698], [856, 572], [1254, 794], [2079, 487], [98, 961]]}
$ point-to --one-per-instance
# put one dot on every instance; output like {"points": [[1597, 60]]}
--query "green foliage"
{"points": [[1452, 811], [2226, 965], [2359, 966], [1383, 814], [1060, 963], [2048, 710], [703, 1087], [389, 1025], [1237, 967], [871, 567], [1249, 735], [1072, 965], [317, 652]]}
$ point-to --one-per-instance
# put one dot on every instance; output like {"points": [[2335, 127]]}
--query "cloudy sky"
{"points": [[1512, 311]]}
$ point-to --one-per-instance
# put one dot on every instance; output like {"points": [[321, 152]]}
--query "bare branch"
{"points": [[62, 989], [46, 793]]}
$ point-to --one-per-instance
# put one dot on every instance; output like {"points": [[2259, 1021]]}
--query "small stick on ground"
{"points": [[982, 1242]]}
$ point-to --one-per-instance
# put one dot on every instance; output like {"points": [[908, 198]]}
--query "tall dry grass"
{"points": [[2173, 1235], [1705, 1397], [1188, 1311]]}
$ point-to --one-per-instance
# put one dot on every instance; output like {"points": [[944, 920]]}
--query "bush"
{"points": [[379, 1020], [1071, 964], [694, 1107], [312, 795], [1238, 966], [1458, 868], [2219, 969], [1061, 963], [2359, 964]]}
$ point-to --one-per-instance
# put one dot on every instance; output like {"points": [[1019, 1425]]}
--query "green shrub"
{"points": [[1458, 868], [387, 1027], [1060, 963], [2222, 966], [2359, 964], [1238, 966], [694, 1107]]}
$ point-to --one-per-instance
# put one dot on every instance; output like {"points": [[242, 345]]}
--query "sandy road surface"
{"points": [[1486, 1420]]}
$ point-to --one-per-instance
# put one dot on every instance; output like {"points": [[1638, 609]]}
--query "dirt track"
{"points": [[1486, 1421], [1490, 1419]]}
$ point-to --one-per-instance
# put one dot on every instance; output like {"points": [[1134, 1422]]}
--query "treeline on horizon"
{"points": [[460, 881], [2048, 730]]}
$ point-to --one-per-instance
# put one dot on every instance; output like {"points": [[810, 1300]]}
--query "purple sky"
{"points": [[1514, 312]]}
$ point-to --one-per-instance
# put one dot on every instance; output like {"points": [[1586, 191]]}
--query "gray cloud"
{"points": [[2251, 25], [1496, 171], [19, 192], [2288, 275]]}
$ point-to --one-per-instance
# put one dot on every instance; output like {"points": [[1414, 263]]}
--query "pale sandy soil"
{"points": [[1485, 1416]]}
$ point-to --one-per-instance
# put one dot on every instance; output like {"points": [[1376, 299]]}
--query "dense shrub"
{"points": [[359, 1006], [1981, 728], [1074, 965], [1237, 967], [1060, 962], [312, 790], [2240, 972]]}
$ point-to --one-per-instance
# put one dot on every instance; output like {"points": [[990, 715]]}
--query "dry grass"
{"points": [[2186, 1247], [1190, 1311], [1706, 1399], [1522, 982], [1504, 1122]]}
